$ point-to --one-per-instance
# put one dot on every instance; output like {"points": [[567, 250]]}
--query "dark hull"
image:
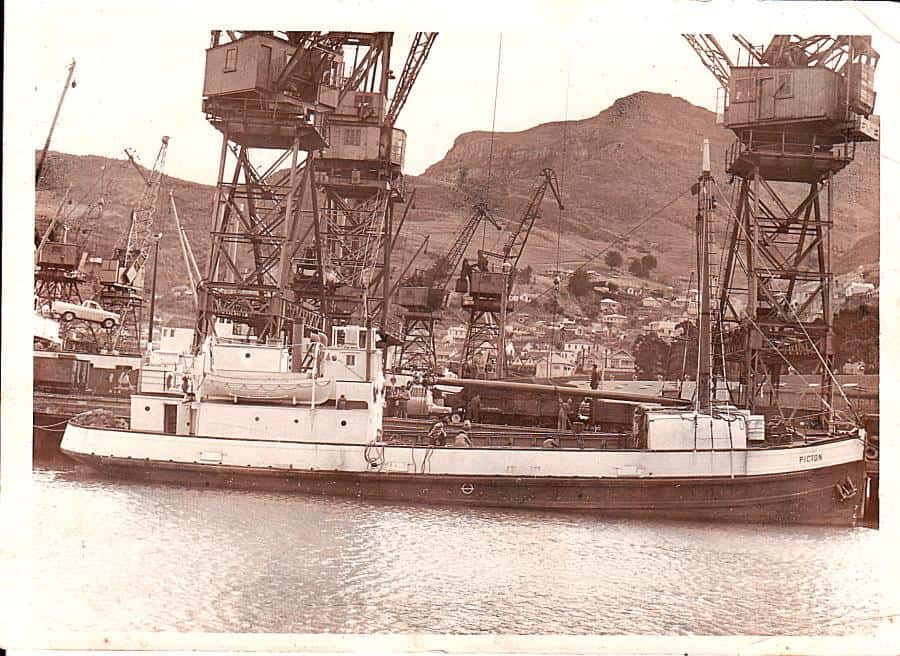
{"points": [[809, 497]]}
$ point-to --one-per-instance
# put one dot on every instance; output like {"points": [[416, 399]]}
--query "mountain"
{"points": [[633, 163], [621, 166]]}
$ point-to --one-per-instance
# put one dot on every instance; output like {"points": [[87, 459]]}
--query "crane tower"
{"points": [[423, 296], [489, 285], [798, 109], [122, 275], [301, 238]]}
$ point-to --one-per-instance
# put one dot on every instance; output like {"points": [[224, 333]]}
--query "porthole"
{"points": [[246, 355], [256, 419], [343, 422], [146, 408], [296, 421]]}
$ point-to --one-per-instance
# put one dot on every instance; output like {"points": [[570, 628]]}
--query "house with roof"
{"points": [[609, 305], [620, 365], [552, 365], [665, 328]]}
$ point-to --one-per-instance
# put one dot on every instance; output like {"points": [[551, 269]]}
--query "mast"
{"points": [[704, 215]]}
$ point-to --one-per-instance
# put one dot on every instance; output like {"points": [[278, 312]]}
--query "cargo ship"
{"points": [[319, 431]]}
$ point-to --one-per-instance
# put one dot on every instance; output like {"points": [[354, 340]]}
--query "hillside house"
{"points": [[859, 289], [609, 306], [553, 365], [665, 328], [620, 364], [456, 333]]}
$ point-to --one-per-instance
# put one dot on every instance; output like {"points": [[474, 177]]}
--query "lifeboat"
{"points": [[266, 386]]}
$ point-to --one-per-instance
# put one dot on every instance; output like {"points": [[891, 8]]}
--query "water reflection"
{"points": [[119, 557]]}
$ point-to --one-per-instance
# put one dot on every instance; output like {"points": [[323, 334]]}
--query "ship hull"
{"points": [[812, 496]]}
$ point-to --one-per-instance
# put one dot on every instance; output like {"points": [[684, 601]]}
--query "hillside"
{"points": [[620, 166], [625, 163]]}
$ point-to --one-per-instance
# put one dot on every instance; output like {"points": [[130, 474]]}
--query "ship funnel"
{"points": [[706, 167]]}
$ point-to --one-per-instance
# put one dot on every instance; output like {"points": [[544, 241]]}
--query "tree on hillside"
{"points": [[524, 276], [636, 268], [856, 337], [614, 259], [580, 283], [649, 263], [679, 366], [650, 355]]}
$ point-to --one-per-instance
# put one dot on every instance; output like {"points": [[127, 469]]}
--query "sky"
{"points": [[139, 69]]}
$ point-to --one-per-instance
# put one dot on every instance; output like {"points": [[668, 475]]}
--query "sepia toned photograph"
{"points": [[562, 324]]}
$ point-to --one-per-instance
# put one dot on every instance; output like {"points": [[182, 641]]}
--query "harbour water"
{"points": [[114, 556]]}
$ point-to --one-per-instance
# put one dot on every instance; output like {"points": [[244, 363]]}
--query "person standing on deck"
{"points": [[595, 378], [473, 408], [562, 421], [402, 401], [437, 436], [462, 439], [392, 398]]}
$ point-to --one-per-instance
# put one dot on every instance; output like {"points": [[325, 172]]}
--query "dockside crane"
{"points": [[69, 83], [489, 284], [122, 275], [798, 108], [305, 241], [423, 296]]}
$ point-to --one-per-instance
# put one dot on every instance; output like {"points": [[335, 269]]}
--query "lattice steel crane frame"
{"points": [[779, 250]]}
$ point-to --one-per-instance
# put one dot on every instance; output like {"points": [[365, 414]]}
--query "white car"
{"points": [[87, 311]]}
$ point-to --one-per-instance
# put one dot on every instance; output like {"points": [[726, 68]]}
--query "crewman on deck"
{"points": [[402, 401], [473, 408], [392, 398], [595, 378], [562, 421], [437, 436], [462, 438]]}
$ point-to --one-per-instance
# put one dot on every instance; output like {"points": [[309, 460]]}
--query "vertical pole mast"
{"points": [[704, 211], [153, 296]]}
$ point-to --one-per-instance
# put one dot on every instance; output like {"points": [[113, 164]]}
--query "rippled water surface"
{"points": [[117, 557]]}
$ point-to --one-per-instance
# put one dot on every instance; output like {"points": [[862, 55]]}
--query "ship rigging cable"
{"points": [[615, 241], [487, 199], [562, 183]]}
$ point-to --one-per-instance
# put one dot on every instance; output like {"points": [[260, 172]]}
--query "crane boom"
{"points": [[187, 253], [444, 268], [712, 55], [418, 53], [512, 251], [62, 97], [137, 246]]}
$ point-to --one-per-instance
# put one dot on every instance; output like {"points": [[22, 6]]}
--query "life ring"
{"points": [[467, 488], [871, 452]]}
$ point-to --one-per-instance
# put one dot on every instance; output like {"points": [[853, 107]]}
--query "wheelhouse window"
{"points": [[351, 360], [230, 60]]}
